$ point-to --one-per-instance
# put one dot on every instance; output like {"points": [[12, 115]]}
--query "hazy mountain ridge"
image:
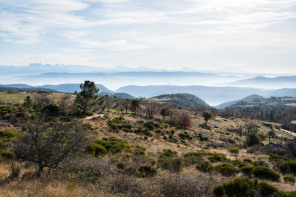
{"points": [[71, 88], [117, 95], [212, 95], [24, 88], [267, 82]]}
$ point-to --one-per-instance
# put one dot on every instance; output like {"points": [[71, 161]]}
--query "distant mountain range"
{"points": [[267, 82], [212, 95]]}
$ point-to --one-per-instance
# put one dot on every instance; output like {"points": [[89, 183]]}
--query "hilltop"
{"points": [[183, 100]]}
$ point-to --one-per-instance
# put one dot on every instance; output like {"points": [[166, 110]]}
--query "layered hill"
{"points": [[183, 100]]}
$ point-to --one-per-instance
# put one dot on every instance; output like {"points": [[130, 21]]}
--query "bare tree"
{"points": [[108, 102], [182, 119], [151, 108], [66, 103], [48, 143]]}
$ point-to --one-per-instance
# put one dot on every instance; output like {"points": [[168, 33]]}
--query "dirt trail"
{"points": [[94, 116]]}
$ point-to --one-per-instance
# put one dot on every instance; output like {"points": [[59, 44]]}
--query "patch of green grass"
{"points": [[14, 98]]}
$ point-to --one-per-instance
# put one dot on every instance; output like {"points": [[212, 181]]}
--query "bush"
{"points": [[267, 190], [238, 163], [8, 134], [252, 139], [113, 144], [260, 163], [289, 179], [234, 150], [1, 144], [192, 158], [121, 165], [244, 187], [226, 169], [238, 187], [96, 150], [217, 158], [184, 136], [7, 154], [51, 110], [288, 167], [247, 170], [204, 166], [168, 160], [145, 171], [265, 173]]}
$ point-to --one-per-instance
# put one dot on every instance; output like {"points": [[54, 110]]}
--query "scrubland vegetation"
{"points": [[55, 144]]}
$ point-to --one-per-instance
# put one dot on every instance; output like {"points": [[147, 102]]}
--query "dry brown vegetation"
{"points": [[163, 149]]}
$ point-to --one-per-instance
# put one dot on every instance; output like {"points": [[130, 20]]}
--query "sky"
{"points": [[223, 35]]}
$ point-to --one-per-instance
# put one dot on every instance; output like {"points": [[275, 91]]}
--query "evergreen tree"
{"points": [[28, 102], [87, 98]]}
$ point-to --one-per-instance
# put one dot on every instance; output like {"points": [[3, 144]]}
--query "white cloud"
{"points": [[169, 31]]}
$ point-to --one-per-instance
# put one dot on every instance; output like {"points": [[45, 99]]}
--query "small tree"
{"points": [[181, 119], [135, 104], [28, 102], [165, 111], [66, 103], [207, 116], [87, 98], [48, 143], [252, 139]]}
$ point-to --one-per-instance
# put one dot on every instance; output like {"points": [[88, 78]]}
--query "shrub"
{"points": [[226, 169], [219, 191], [252, 139], [234, 150], [145, 171], [7, 154], [1, 144], [238, 187], [260, 163], [192, 158], [113, 144], [267, 190], [217, 158], [288, 167], [96, 150], [8, 134], [238, 163], [247, 170], [202, 138], [265, 173], [171, 164], [244, 187], [184, 136], [149, 125], [289, 179], [204, 166], [168, 160], [121, 165], [51, 110]]}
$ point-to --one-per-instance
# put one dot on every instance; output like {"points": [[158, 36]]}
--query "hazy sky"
{"points": [[253, 35]]}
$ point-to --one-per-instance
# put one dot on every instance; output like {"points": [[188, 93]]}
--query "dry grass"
{"points": [[58, 189]]}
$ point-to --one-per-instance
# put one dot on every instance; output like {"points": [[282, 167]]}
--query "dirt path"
{"points": [[94, 116]]}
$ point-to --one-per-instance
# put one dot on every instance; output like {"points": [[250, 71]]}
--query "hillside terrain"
{"points": [[136, 148], [183, 100]]}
